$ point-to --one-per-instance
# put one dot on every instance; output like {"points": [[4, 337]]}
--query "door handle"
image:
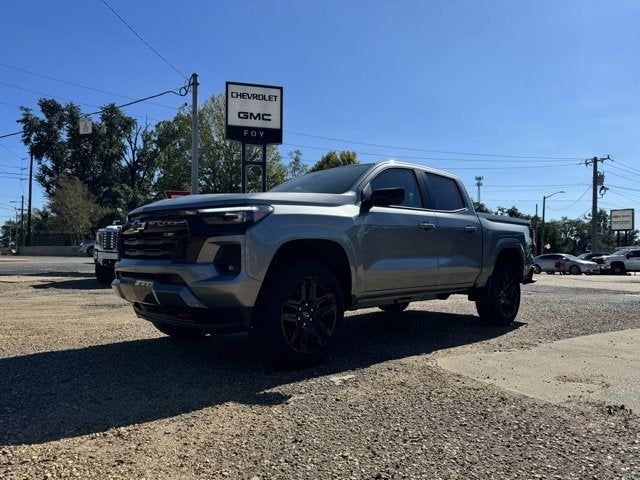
{"points": [[427, 226], [471, 228]]}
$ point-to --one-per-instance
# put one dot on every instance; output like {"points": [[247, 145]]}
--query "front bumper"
{"points": [[188, 294]]}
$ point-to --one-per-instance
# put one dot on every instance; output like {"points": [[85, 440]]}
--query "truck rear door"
{"points": [[459, 232]]}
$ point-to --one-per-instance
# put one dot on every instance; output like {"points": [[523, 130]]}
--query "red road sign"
{"points": [[175, 193]]}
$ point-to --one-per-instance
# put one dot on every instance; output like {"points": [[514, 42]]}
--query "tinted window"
{"points": [[445, 191], [400, 177], [635, 253], [332, 180]]}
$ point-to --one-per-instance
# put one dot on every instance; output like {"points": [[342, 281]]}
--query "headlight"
{"points": [[235, 215]]}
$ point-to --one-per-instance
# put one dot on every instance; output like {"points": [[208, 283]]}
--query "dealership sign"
{"points": [[254, 113], [622, 220]]}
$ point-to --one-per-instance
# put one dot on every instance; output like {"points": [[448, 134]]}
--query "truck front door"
{"points": [[396, 242]]}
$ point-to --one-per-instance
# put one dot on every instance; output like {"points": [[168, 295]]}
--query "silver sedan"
{"points": [[563, 263]]}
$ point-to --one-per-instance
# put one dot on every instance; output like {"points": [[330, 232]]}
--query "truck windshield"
{"points": [[332, 180]]}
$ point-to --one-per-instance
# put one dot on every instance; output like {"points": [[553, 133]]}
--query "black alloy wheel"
{"points": [[309, 315], [298, 316], [502, 302]]}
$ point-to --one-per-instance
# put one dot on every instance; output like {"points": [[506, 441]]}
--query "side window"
{"points": [[445, 192], [400, 177], [635, 254]]}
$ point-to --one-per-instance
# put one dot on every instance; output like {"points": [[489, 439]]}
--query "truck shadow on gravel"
{"points": [[89, 283], [53, 395]]}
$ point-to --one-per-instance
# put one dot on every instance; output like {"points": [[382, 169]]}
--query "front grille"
{"points": [[108, 240], [156, 239]]}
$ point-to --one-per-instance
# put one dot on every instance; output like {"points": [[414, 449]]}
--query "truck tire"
{"points": [[90, 252], [181, 333], [618, 268], [394, 307], [104, 275], [299, 315], [501, 305]]}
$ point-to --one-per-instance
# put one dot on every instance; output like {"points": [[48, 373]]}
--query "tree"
{"points": [[512, 212], [113, 162], [73, 207], [220, 159], [480, 207], [296, 166], [335, 159]]}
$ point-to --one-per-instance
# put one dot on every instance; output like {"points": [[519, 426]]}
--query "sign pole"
{"points": [[243, 168], [264, 168], [253, 116]]}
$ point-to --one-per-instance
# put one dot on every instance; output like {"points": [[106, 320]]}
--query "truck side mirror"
{"points": [[382, 197]]}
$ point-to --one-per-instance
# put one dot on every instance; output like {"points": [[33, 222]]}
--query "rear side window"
{"points": [[400, 177], [634, 253], [445, 191]]}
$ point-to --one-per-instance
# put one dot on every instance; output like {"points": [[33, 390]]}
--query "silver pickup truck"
{"points": [[284, 265]]}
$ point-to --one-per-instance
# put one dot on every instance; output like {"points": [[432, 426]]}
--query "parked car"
{"points": [[284, 265], [623, 261], [87, 247], [597, 257], [568, 264]]}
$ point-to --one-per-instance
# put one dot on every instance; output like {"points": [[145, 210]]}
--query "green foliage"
{"points": [[480, 207], [335, 159], [73, 206], [220, 159], [114, 161], [296, 166]]}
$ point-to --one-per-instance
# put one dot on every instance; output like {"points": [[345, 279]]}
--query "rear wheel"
{"points": [[537, 268], [575, 270], [104, 274], [299, 315], [394, 307], [181, 333], [90, 252], [501, 305]]}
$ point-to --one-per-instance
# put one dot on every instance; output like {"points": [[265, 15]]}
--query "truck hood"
{"points": [[225, 199]]}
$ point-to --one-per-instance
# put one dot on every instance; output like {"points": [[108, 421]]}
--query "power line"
{"points": [[433, 151], [630, 172], [625, 188], [143, 40], [182, 91], [574, 202], [48, 77], [410, 157], [628, 166]]}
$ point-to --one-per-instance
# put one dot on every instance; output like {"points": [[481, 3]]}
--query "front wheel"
{"points": [[501, 305], [90, 252], [618, 268], [299, 315], [537, 268], [575, 270], [104, 274]]}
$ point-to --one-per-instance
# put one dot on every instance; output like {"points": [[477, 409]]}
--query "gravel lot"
{"points": [[87, 390]]}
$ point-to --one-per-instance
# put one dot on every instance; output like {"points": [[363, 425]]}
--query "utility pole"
{"points": [[594, 205], [30, 191], [195, 148], [22, 218], [479, 184], [544, 206]]}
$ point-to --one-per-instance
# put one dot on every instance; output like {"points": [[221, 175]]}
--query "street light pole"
{"points": [[544, 204]]}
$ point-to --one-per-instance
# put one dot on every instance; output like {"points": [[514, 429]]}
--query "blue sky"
{"points": [[546, 78]]}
